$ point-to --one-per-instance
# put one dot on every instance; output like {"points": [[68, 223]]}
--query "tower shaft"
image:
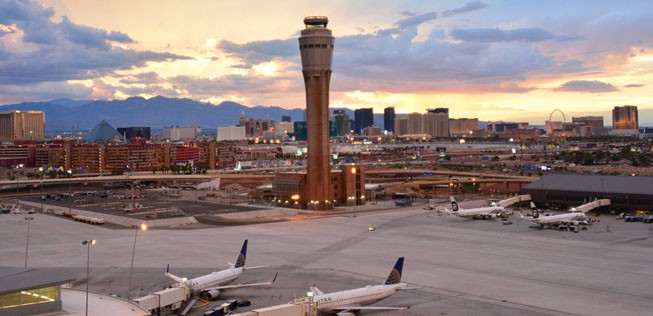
{"points": [[316, 48]]}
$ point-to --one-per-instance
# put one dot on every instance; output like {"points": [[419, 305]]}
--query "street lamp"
{"points": [[142, 227], [29, 219], [70, 189], [353, 199], [41, 185], [88, 243]]}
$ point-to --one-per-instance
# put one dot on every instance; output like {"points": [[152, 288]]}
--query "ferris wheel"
{"points": [[564, 119]]}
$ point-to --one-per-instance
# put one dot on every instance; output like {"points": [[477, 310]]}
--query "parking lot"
{"points": [[140, 205]]}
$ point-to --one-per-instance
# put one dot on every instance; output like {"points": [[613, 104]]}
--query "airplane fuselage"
{"points": [[491, 211], [561, 218], [357, 297], [215, 279]]}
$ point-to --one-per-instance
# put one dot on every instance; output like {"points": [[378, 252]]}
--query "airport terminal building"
{"points": [[568, 190], [30, 291]]}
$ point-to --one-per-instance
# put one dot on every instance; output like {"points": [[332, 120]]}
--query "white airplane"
{"points": [[347, 303], [209, 286], [488, 212], [573, 218]]}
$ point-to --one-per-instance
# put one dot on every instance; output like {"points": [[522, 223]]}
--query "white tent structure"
{"points": [[209, 185]]}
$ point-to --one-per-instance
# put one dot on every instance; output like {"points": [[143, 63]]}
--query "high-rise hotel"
{"points": [[625, 117], [22, 126]]}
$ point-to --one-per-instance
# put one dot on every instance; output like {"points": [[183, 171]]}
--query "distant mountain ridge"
{"points": [[156, 112]]}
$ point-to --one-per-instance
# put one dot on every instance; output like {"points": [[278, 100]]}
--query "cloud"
{"points": [[498, 35], [469, 7], [417, 19], [260, 51], [143, 78], [634, 86], [91, 37], [7, 29], [586, 86], [236, 84], [44, 91], [393, 60], [46, 51]]}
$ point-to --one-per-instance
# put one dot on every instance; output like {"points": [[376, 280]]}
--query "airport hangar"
{"points": [[568, 190], [30, 291]]}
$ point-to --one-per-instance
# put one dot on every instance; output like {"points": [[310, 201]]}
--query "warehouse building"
{"points": [[567, 190]]}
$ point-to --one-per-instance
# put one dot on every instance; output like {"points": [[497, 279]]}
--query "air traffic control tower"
{"points": [[316, 48]]}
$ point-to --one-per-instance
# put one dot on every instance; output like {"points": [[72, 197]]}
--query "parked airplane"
{"points": [[488, 212], [346, 303], [209, 286], [573, 218]]}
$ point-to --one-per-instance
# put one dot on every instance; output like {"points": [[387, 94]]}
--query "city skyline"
{"points": [[488, 59]]}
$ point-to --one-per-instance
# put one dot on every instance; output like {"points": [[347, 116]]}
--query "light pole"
{"points": [[142, 227], [41, 185], [353, 199], [88, 243], [70, 188], [29, 219]]}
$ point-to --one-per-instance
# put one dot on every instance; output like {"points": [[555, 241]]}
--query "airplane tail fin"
{"points": [[395, 274], [536, 213], [240, 262], [454, 204]]}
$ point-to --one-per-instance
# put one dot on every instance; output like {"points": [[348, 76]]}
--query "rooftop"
{"points": [[19, 279], [594, 183]]}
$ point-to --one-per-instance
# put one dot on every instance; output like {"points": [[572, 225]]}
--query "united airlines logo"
{"points": [[394, 277], [241, 261]]}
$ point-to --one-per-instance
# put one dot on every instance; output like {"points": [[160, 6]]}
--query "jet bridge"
{"points": [[514, 200], [591, 205]]}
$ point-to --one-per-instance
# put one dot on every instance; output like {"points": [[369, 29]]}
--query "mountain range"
{"points": [[156, 112]]}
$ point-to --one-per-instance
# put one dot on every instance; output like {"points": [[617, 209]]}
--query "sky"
{"points": [[510, 60]]}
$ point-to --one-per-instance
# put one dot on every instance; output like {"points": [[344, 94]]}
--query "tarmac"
{"points": [[457, 266]]}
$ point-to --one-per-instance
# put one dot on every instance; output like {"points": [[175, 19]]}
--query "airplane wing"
{"points": [[521, 216], [231, 264], [254, 267], [177, 279], [237, 286], [316, 291], [574, 219], [378, 308], [444, 211]]}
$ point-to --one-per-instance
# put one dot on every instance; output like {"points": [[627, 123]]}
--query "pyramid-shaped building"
{"points": [[102, 133]]}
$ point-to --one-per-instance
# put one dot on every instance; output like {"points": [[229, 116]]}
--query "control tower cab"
{"points": [[316, 44]]}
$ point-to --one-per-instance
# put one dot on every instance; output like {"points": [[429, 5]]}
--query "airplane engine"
{"points": [[212, 294], [346, 314]]}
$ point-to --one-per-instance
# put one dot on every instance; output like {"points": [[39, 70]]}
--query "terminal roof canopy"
{"points": [[14, 280], [594, 183]]}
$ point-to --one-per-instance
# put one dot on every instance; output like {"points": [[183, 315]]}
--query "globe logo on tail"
{"points": [[394, 277], [241, 261]]}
